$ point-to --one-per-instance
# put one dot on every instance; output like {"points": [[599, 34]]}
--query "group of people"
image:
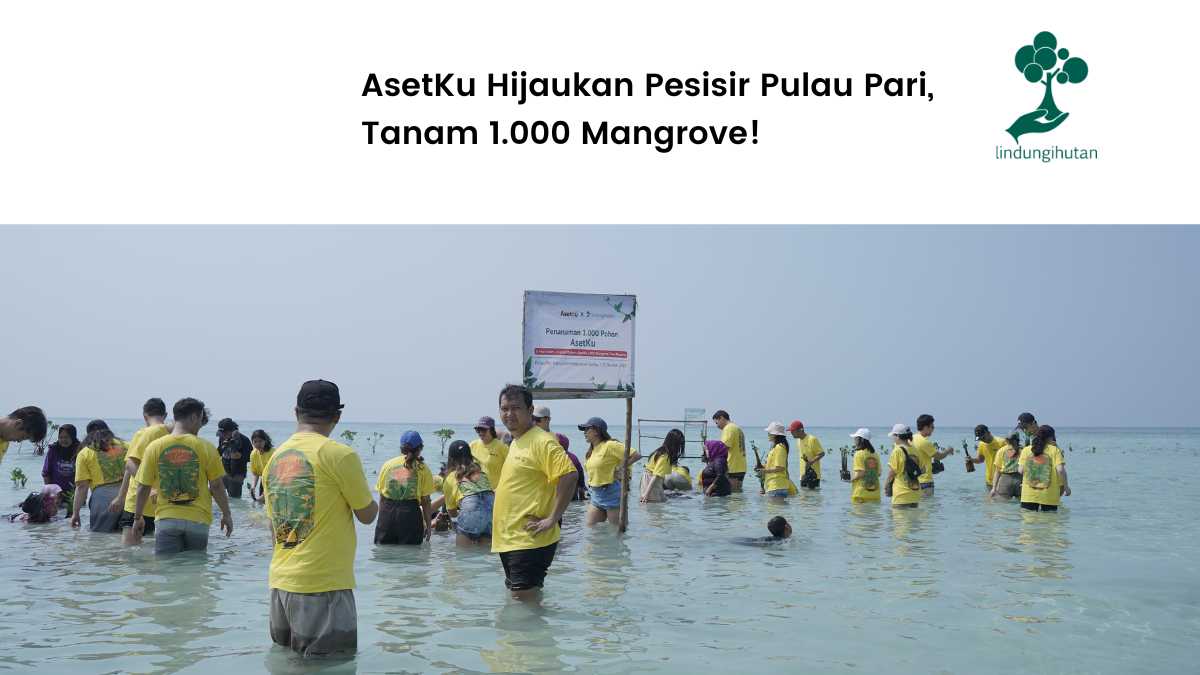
{"points": [[509, 496]]}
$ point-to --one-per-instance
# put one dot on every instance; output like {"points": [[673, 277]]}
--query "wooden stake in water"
{"points": [[624, 518]]}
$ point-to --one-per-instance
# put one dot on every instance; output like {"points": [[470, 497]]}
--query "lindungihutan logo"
{"points": [[1047, 64]]}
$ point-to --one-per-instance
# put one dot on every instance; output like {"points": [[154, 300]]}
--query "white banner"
{"points": [[579, 341]]}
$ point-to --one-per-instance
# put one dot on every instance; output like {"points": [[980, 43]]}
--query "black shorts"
{"points": [[233, 485], [400, 522], [737, 476], [1033, 506], [905, 506], [127, 521], [526, 569]]}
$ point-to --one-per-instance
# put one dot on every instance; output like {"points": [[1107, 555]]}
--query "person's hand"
{"points": [[116, 505], [139, 527], [1066, 490], [428, 533], [75, 520], [535, 526], [227, 524], [992, 494]]}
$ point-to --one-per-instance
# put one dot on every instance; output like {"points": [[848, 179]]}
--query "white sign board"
{"points": [[580, 342]]}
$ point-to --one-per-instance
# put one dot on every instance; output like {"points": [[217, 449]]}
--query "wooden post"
{"points": [[626, 479]]}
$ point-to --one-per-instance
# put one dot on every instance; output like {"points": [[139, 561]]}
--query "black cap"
{"points": [[1026, 418], [227, 424], [319, 396], [459, 445]]}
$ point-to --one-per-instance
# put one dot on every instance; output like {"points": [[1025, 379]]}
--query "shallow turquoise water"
{"points": [[1108, 584]]}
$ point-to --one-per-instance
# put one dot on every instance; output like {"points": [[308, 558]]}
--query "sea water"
{"points": [[961, 585]]}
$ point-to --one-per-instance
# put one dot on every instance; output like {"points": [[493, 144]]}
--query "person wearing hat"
{"points": [[811, 453], [866, 469], [235, 455], [468, 496], [1028, 425], [541, 417], [23, 424], [315, 488], [489, 450], [404, 485], [534, 491], [735, 440], [928, 452], [985, 453], [603, 458], [903, 483], [776, 482], [154, 414]]}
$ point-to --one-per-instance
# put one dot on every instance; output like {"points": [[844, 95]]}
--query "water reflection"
{"points": [[1044, 536], [525, 641]]}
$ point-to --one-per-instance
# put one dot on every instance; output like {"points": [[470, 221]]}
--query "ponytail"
{"points": [[1044, 433]]}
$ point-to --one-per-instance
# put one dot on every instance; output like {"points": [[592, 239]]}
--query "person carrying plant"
{"points": [[811, 453]]}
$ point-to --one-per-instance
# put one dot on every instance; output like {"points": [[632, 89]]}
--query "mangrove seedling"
{"points": [[374, 439], [348, 436], [445, 435], [18, 477]]}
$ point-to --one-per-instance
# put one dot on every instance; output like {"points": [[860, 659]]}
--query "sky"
{"points": [[836, 326]]}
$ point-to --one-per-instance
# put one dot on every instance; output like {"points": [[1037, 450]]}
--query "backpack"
{"points": [[912, 470]]}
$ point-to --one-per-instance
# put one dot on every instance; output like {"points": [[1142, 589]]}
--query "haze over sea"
{"points": [[1107, 584]]}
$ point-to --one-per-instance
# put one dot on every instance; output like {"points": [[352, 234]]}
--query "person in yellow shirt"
{"points": [[315, 489], [1006, 481], [659, 468], [986, 453], [405, 483], [469, 497], [188, 475], [866, 469], [776, 482], [1043, 473], [154, 414], [99, 469], [489, 450], [604, 457], [534, 491], [735, 440], [23, 424], [260, 440], [811, 453], [903, 483], [928, 452]]}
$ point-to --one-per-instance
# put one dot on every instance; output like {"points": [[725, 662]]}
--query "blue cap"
{"points": [[411, 439], [594, 423]]}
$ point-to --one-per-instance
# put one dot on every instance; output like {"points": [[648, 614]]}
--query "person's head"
{"points": [[1014, 440], [982, 433], [776, 434], [1027, 423], [99, 437], [901, 434], [720, 418], [925, 425], [68, 436], [673, 445], [154, 409], [1043, 437], [541, 417], [190, 415], [28, 424], [486, 429], [319, 406], [411, 445], [595, 430], [459, 457], [796, 429], [227, 429], [779, 527], [715, 451], [261, 441], [516, 409], [862, 440]]}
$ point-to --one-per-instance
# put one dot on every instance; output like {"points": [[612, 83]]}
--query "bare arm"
{"points": [[217, 487], [563, 491], [81, 493], [131, 468], [1062, 473], [366, 515]]}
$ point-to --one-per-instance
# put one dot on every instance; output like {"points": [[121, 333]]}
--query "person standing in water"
{"points": [[315, 489], [490, 451], [1043, 472], [903, 482], [603, 462], [59, 466], [154, 414], [469, 497], [99, 469], [658, 469], [1006, 482], [259, 456], [928, 452], [776, 482], [22, 424], [714, 479], [735, 443], [985, 453], [405, 483], [866, 471], [235, 455], [811, 453]]}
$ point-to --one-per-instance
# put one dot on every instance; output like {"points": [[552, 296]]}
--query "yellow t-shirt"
{"points": [[259, 459], [101, 468], [137, 448], [180, 468], [925, 449], [526, 491], [491, 457], [601, 463], [453, 492], [867, 488], [735, 440], [683, 471], [400, 483], [1007, 459], [660, 467], [313, 485], [809, 448], [777, 459], [988, 450], [903, 492], [1041, 482]]}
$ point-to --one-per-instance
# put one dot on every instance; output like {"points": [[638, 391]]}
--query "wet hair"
{"points": [[776, 440], [460, 459], [186, 407], [720, 415], [154, 407], [259, 433], [924, 421], [672, 445], [516, 391], [777, 526], [861, 443], [33, 422], [1044, 433]]}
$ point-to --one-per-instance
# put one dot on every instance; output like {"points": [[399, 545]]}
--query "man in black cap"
{"points": [[235, 455]]}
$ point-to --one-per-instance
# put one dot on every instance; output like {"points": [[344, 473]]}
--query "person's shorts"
{"points": [[1009, 485], [127, 521], [314, 624], [607, 497], [737, 476], [175, 535], [778, 493], [233, 485], [475, 515], [905, 506], [860, 500], [526, 569], [1033, 506], [100, 519], [400, 522]]}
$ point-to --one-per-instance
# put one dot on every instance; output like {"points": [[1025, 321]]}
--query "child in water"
{"points": [[779, 528]]}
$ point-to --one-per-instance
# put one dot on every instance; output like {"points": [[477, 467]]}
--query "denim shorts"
{"points": [[475, 515], [778, 493], [175, 535], [606, 497]]}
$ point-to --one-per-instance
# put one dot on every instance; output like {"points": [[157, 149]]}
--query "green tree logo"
{"points": [[1044, 63]]}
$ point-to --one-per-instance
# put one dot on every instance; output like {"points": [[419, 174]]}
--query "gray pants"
{"points": [[99, 517], [174, 535], [314, 624]]}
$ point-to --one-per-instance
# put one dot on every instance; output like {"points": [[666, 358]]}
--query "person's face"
{"points": [[799, 433], [543, 422], [926, 431], [485, 434], [64, 439], [720, 422], [516, 416], [258, 443], [592, 436]]}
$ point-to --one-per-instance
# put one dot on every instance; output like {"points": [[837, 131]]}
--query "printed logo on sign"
{"points": [[1046, 64]]}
